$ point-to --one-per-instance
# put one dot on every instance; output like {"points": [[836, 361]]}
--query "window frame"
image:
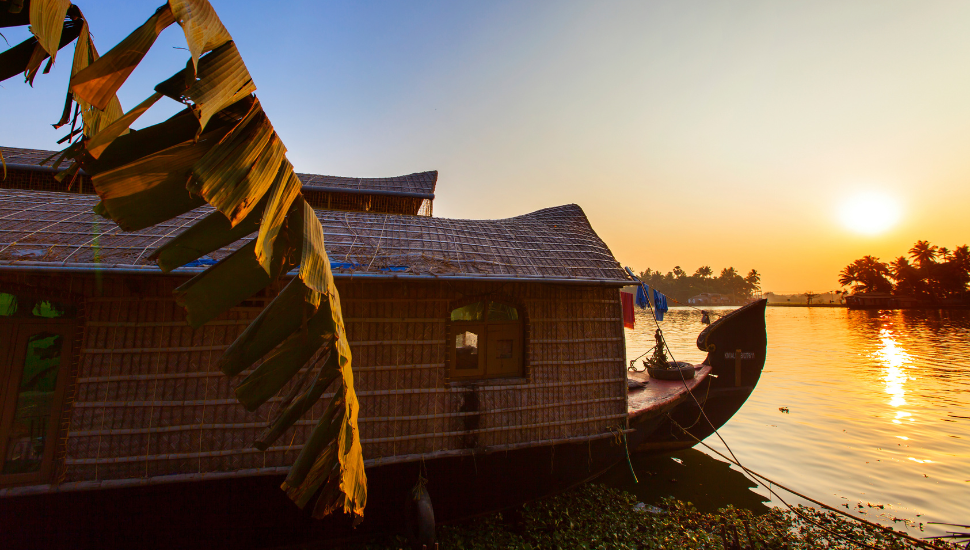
{"points": [[17, 331], [519, 342]]}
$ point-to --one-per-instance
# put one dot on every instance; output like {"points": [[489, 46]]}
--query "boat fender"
{"points": [[419, 516]]}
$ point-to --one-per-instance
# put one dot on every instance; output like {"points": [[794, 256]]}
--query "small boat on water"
{"points": [[489, 364], [736, 346]]}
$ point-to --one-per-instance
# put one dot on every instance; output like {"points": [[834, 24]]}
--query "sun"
{"points": [[869, 213]]}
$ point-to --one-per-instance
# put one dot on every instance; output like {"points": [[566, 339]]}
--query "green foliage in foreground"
{"points": [[595, 516]]}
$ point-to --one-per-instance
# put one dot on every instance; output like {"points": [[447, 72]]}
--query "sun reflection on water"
{"points": [[895, 359]]}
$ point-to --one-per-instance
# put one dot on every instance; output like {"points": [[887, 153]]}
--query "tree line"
{"points": [[930, 272], [680, 286]]}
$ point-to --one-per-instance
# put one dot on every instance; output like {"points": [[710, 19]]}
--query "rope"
{"points": [[753, 475], [919, 542]]}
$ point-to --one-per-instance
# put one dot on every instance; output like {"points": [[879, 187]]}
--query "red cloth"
{"points": [[627, 300]]}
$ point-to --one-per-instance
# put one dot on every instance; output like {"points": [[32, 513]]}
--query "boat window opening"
{"points": [[32, 382], [488, 341], [27, 437], [471, 312], [14, 305], [48, 310], [8, 304], [502, 312], [466, 350]]}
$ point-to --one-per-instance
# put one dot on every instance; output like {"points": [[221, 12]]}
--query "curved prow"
{"points": [[741, 330]]}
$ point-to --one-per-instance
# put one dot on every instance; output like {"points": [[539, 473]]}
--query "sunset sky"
{"points": [[691, 133]]}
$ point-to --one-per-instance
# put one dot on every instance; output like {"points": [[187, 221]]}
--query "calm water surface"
{"points": [[879, 415]]}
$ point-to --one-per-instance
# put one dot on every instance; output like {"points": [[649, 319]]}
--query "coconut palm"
{"points": [[923, 253], [867, 274]]}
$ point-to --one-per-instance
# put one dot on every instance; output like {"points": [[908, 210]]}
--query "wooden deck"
{"points": [[658, 393]]}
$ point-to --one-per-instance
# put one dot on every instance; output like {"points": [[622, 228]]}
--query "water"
{"points": [[879, 415]]}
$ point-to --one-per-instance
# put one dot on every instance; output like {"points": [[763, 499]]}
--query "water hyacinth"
{"points": [[595, 516]]}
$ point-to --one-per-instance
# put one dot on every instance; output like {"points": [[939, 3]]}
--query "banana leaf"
{"points": [[14, 15], [203, 29], [284, 362], [221, 80], [15, 60], [152, 189], [326, 375], [93, 119], [47, 23], [229, 282], [280, 199], [207, 235], [238, 171], [103, 138], [315, 272], [176, 130], [99, 82]]}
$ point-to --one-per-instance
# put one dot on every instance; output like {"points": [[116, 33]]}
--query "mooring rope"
{"points": [[753, 475]]}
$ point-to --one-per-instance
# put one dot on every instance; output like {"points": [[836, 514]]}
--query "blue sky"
{"points": [[720, 133]]}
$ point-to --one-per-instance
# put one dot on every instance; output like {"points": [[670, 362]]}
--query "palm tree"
{"points": [[944, 253], [868, 274], [923, 252], [704, 271]]}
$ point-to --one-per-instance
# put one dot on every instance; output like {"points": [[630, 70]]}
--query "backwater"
{"points": [[867, 411]]}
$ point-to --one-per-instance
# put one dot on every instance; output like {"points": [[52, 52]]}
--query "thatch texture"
{"points": [[148, 403], [554, 244], [412, 194]]}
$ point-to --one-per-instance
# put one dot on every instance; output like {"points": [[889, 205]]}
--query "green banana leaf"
{"points": [[285, 361], [229, 282], [206, 235]]}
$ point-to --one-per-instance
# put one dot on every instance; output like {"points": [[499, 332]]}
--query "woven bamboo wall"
{"points": [[147, 403]]}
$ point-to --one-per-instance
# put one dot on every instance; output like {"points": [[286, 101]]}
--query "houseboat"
{"points": [[489, 364]]}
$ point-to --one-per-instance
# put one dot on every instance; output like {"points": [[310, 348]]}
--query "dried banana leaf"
{"points": [[15, 60], [152, 189], [222, 79], [113, 131], [285, 362], [283, 316], [239, 170], [203, 29], [229, 282], [99, 82], [207, 235], [47, 23], [93, 119], [280, 199]]}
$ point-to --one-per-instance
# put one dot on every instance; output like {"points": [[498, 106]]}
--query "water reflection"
{"points": [[878, 405], [894, 358]]}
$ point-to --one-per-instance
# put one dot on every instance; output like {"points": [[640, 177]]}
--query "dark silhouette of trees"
{"points": [[678, 285], [923, 253], [935, 273], [867, 274]]}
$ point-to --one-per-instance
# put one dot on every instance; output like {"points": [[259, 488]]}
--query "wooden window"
{"points": [[487, 341], [35, 359]]}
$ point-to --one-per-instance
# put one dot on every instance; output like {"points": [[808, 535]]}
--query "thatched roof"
{"points": [[419, 185], [48, 230]]}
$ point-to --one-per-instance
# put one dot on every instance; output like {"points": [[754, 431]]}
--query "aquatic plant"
{"points": [[595, 516]]}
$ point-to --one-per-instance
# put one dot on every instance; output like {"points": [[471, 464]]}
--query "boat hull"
{"points": [[252, 512], [737, 345]]}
